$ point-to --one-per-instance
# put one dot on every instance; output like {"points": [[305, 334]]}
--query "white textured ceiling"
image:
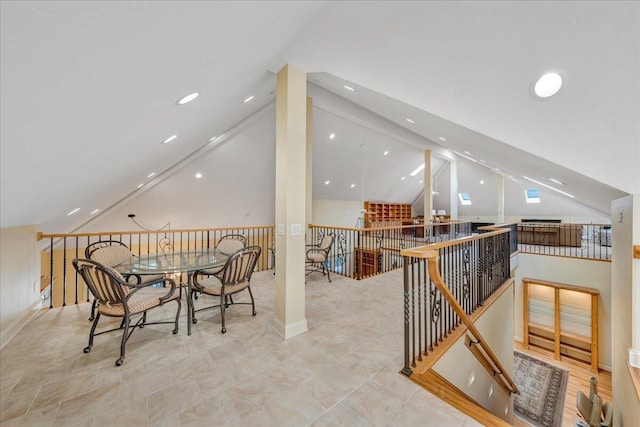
{"points": [[88, 88]]}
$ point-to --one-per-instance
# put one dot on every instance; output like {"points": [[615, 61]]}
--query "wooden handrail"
{"points": [[182, 230], [434, 273], [392, 227], [423, 251]]}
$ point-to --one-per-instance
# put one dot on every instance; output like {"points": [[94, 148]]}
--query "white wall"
{"points": [[625, 228], [573, 271], [459, 363], [19, 278], [336, 213]]}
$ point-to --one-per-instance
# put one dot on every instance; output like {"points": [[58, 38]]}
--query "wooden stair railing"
{"points": [[497, 369]]}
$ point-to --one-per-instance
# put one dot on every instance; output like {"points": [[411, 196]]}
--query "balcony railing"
{"points": [[67, 287], [363, 252]]}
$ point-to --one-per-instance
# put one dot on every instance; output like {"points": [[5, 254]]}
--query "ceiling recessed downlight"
{"points": [[198, 175], [332, 136], [410, 121], [353, 186], [385, 153], [140, 186], [171, 138], [187, 98], [402, 179], [95, 211], [442, 139], [213, 138], [417, 170], [327, 182], [556, 181], [248, 99], [151, 175], [547, 85], [349, 88], [73, 211]]}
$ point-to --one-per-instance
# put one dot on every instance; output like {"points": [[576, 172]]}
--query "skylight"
{"points": [[465, 199], [532, 195]]}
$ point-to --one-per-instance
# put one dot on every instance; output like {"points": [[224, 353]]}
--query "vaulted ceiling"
{"points": [[89, 89]]}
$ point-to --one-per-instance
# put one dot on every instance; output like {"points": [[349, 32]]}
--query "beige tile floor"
{"points": [[342, 372]]}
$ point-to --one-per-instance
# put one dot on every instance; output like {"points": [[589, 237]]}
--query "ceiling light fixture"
{"points": [[385, 153], [556, 181], [171, 138], [548, 186], [248, 99], [442, 139], [188, 98], [420, 182], [151, 175], [353, 186], [73, 211], [410, 121], [467, 153], [198, 175], [482, 181], [349, 88], [332, 135], [402, 179], [140, 185], [417, 170], [95, 211], [213, 138], [327, 182], [547, 85]]}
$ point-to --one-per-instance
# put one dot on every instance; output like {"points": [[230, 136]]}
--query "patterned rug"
{"points": [[542, 387]]}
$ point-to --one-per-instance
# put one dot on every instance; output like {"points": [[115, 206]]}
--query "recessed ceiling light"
{"points": [[332, 135], [212, 138], [327, 182], [95, 211], [73, 211], [171, 138], [417, 170], [151, 175], [187, 98], [442, 139], [556, 181], [248, 99], [548, 186], [198, 175], [410, 121], [353, 185], [349, 88], [385, 153], [468, 153], [420, 182], [482, 181], [547, 85], [140, 185], [402, 179]]}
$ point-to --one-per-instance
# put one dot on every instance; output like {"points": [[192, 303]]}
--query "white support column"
{"points": [[291, 163], [309, 186], [453, 193], [634, 351], [500, 199], [428, 187]]}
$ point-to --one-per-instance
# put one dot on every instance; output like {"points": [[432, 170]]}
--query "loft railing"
{"points": [[62, 285], [445, 283], [363, 252], [589, 241]]}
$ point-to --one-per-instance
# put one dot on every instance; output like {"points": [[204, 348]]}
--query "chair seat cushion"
{"points": [[316, 257], [139, 303], [212, 286]]}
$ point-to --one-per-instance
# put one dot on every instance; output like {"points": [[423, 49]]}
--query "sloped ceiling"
{"points": [[89, 88]]}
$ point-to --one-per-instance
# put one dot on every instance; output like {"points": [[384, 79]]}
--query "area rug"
{"points": [[542, 390]]}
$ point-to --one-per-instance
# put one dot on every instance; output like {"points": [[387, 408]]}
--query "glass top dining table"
{"points": [[175, 262]]}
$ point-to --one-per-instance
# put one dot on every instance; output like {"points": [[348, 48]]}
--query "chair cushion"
{"points": [[137, 304], [316, 256], [111, 255], [212, 286]]}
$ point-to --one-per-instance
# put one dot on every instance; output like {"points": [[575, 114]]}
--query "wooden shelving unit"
{"points": [[560, 342], [380, 214], [367, 262]]}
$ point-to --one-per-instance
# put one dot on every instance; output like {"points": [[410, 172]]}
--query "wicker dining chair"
{"points": [[317, 256], [234, 277], [117, 298], [112, 253]]}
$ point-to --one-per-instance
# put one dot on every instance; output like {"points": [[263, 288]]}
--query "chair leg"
{"points": [[329, 274], [253, 306], [144, 320], [193, 309], [93, 309], [125, 337], [222, 307], [87, 349], [179, 301]]}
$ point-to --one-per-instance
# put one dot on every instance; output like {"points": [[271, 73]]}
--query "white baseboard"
{"points": [[14, 327], [634, 358], [290, 330]]}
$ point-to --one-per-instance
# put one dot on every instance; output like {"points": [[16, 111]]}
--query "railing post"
{"points": [[406, 370]]}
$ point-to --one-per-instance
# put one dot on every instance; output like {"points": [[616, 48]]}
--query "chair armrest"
{"points": [[137, 286]]}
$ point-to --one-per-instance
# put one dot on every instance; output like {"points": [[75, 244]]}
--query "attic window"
{"points": [[532, 195], [464, 198]]}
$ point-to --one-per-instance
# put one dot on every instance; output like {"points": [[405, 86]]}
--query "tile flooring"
{"points": [[342, 372]]}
